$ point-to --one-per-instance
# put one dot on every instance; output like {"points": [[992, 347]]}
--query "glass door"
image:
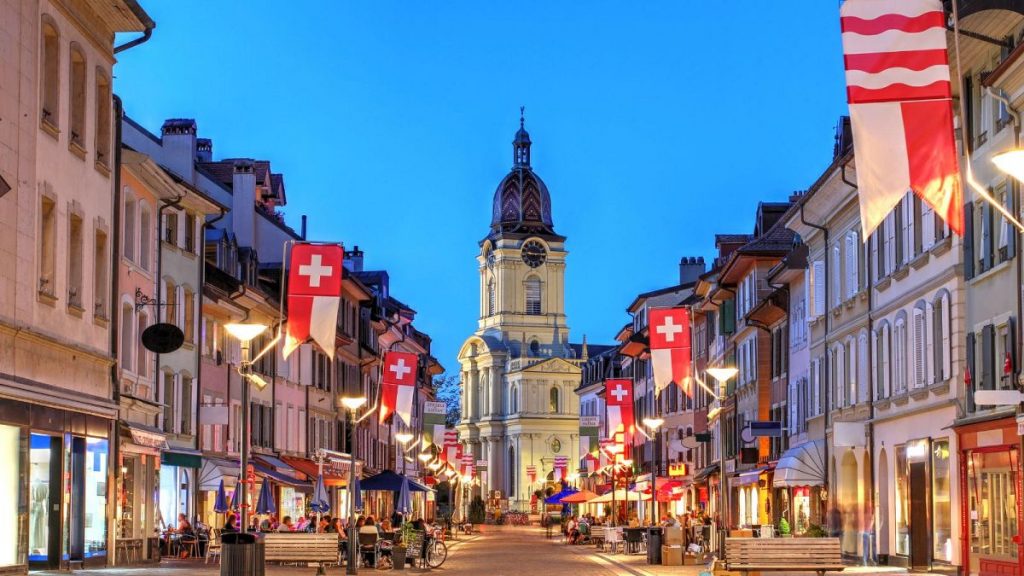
{"points": [[44, 533]]}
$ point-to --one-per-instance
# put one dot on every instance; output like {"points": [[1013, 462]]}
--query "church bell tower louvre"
{"points": [[519, 372]]}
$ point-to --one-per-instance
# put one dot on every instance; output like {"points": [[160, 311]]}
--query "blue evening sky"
{"points": [[655, 125]]}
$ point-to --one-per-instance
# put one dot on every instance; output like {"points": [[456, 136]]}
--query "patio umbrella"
{"points": [[579, 497], [404, 498], [620, 496], [388, 481], [557, 498], [265, 503], [220, 502], [321, 502]]}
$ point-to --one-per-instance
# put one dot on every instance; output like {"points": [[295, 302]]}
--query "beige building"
{"points": [[518, 370], [58, 231]]}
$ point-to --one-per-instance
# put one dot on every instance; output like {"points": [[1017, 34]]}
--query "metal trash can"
{"points": [[242, 554], [654, 545]]}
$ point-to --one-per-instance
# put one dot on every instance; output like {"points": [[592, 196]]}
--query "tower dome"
{"points": [[522, 202]]}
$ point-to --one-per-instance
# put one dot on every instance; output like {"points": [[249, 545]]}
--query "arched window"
{"points": [[127, 350], [533, 300], [490, 297], [920, 347], [941, 339], [50, 74], [899, 355], [534, 348], [554, 401], [76, 96], [103, 113], [514, 401]]}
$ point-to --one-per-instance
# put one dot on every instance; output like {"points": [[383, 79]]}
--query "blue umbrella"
{"points": [[321, 502], [220, 503], [358, 491], [265, 504], [404, 499]]}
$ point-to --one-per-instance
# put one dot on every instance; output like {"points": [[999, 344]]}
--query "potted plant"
{"points": [[401, 545], [784, 529]]}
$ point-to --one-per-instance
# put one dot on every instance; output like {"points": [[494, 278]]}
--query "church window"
{"points": [[490, 297], [534, 348], [515, 399], [533, 297], [555, 401]]}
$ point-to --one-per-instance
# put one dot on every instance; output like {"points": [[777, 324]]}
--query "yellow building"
{"points": [[518, 370]]}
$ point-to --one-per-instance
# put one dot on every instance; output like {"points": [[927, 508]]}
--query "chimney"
{"points": [[303, 229], [204, 150], [243, 202], [178, 138], [690, 269], [354, 259]]}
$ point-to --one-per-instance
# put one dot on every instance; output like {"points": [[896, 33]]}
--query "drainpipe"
{"points": [[826, 386], [147, 22]]}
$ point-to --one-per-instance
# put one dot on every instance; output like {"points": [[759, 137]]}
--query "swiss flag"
{"points": [[314, 293], [619, 401], [399, 385], [669, 330]]}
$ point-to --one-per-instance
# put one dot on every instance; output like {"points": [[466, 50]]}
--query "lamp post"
{"points": [[245, 333], [654, 424], [722, 376], [352, 404]]}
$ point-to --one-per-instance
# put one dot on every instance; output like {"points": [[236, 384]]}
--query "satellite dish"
{"points": [[163, 338], [690, 442]]}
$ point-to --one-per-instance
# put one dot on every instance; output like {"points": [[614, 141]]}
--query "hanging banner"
{"points": [[670, 348], [433, 423], [590, 432], [314, 296]]}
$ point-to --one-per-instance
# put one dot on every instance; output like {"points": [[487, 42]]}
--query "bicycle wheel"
{"points": [[437, 553]]}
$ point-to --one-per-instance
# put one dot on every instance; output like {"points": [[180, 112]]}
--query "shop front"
{"points": [[178, 470], [335, 473], [214, 471], [55, 479], [751, 504], [136, 536], [799, 484], [916, 497], [990, 512]]}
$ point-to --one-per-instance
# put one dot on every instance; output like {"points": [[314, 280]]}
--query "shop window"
{"points": [[10, 491], [94, 476], [941, 510], [992, 487], [902, 503]]}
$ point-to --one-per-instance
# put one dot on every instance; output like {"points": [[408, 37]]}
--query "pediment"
{"points": [[557, 365]]}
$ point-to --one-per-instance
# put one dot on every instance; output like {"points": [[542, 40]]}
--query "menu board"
{"points": [[414, 547]]}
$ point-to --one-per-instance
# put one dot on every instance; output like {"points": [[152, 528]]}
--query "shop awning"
{"points": [[216, 469], [802, 465], [335, 473], [749, 477], [143, 439], [183, 458], [275, 462], [705, 473], [280, 477]]}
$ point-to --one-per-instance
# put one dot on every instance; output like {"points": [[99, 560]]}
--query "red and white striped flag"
{"points": [[450, 447], [898, 88]]}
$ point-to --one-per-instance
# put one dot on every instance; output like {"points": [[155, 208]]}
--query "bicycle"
{"points": [[437, 551]]}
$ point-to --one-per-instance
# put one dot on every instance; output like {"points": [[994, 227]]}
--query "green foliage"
{"points": [[477, 511], [815, 531], [405, 532], [784, 526], [448, 389]]}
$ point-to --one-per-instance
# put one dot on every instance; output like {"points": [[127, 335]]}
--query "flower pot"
{"points": [[398, 557]]}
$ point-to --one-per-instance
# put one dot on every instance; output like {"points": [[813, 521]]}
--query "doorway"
{"points": [[45, 470], [920, 546]]}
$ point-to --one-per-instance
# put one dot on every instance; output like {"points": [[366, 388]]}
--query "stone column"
{"points": [[474, 383]]}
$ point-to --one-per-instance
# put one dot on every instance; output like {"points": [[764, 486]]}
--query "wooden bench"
{"points": [[301, 547], [783, 555]]}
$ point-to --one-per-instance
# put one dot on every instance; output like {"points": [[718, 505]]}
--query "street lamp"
{"points": [[245, 333], [722, 376], [352, 404], [654, 424]]}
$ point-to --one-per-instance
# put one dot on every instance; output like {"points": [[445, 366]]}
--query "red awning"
{"points": [[334, 474]]}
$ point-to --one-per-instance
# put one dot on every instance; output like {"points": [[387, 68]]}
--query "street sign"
{"points": [[998, 397], [690, 442], [766, 429]]}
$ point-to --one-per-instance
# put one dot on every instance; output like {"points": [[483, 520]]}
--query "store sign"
{"points": [[998, 397], [766, 429], [148, 439], [676, 470]]}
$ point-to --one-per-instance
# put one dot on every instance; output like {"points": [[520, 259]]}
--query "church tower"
{"points": [[519, 371]]}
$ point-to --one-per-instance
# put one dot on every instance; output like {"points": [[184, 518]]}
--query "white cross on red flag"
{"points": [[399, 385], [898, 88], [314, 293], [618, 399], [669, 330]]}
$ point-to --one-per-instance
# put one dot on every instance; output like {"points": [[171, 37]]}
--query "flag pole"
{"points": [[969, 172]]}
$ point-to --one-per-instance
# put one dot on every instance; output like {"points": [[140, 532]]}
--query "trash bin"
{"points": [[242, 554], [654, 545]]}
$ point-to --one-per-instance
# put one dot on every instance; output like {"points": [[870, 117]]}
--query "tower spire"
{"points": [[521, 143]]}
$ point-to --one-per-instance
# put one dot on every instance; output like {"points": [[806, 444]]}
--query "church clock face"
{"points": [[534, 253]]}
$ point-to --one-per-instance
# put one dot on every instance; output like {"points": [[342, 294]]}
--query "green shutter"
{"points": [[968, 240], [727, 317]]}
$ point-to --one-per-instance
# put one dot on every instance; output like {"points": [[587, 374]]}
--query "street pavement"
{"points": [[496, 550]]}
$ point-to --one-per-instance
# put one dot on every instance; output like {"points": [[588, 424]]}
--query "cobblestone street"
{"points": [[498, 551]]}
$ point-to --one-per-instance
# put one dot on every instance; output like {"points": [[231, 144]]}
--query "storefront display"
{"points": [[293, 503], [923, 498], [10, 491], [942, 520]]}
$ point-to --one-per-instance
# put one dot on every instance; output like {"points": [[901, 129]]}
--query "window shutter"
{"points": [[875, 253], [929, 344], [913, 204], [851, 264], [900, 231], [986, 236], [919, 362], [1011, 205], [968, 240], [928, 226], [947, 331], [890, 242], [1011, 332], [938, 341], [970, 369], [876, 346], [886, 360], [863, 385], [793, 402], [988, 358], [835, 274], [817, 288], [728, 317]]}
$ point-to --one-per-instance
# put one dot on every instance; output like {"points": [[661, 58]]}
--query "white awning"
{"points": [[216, 469], [802, 465]]}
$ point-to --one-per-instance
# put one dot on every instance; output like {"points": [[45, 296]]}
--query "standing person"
{"points": [[867, 530]]}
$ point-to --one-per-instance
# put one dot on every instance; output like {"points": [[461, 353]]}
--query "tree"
{"points": [[448, 389]]}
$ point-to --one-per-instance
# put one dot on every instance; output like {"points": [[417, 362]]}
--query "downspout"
{"points": [[825, 386]]}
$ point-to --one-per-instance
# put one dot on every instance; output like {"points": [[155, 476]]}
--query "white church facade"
{"points": [[519, 372]]}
